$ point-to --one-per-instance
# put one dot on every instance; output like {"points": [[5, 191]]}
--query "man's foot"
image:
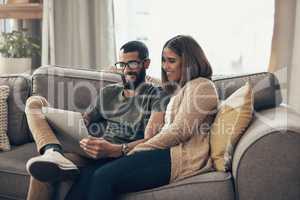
{"points": [[51, 166]]}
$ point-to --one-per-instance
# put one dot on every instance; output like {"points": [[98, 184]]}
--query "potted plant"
{"points": [[16, 51]]}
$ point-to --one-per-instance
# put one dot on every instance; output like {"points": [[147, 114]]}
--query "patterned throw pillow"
{"points": [[4, 142], [233, 117]]}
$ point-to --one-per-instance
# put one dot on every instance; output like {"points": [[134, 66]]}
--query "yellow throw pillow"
{"points": [[4, 142], [232, 119]]}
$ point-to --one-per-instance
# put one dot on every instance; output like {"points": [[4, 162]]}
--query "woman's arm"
{"points": [[155, 123], [199, 100], [99, 147]]}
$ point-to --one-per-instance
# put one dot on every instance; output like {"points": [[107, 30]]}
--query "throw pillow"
{"points": [[232, 119], [4, 142]]}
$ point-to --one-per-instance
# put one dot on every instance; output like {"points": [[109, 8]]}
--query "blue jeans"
{"points": [[108, 178]]}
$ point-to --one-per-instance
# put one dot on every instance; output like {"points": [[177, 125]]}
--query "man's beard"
{"points": [[132, 85]]}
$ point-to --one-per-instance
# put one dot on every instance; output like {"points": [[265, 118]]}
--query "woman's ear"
{"points": [[147, 63]]}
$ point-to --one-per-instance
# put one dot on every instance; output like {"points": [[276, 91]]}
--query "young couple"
{"points": [[152, 137]]}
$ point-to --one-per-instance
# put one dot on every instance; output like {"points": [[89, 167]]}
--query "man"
{"points": [[132, 111]]}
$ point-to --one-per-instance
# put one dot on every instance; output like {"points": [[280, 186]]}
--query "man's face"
{"points": [[134, 76]]}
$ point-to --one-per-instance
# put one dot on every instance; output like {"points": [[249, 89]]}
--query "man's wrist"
{"points": [[125, 149]]}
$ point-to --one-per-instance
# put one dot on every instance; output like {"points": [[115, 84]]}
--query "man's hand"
{"points": [[100, 148]]}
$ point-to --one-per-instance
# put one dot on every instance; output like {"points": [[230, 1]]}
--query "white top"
{"points": [[168, 113]]}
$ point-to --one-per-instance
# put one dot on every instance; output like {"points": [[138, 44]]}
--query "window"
{"points": [[235, 34], [5, 24]]}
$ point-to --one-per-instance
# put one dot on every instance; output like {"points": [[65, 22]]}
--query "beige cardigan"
{"points": [[192, 112]]}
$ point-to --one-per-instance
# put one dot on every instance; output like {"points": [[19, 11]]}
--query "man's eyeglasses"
{"points": [[133, 64]]}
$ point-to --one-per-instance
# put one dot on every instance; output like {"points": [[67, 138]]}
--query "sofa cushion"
{"points": [[266, 88], [4, 142], [13, 176], [20, 89], [200, 187], [233, 117], [213, 186], [70, 88]]}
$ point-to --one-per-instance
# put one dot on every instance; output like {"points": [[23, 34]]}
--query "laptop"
{"points": [[69, 128]]}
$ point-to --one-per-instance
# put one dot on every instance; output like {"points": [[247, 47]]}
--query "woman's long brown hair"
{"points": [[193, 60]]}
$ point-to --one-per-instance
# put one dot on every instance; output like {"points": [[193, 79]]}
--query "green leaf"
{"points": [[17, 44]]}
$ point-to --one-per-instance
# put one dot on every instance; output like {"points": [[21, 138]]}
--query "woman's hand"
{"points": [[100, 148], [139, 148]]}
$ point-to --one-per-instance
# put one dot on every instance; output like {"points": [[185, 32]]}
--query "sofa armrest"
{"points": [[266, 161]]}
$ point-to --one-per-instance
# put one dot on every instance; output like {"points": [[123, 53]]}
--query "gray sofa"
{"points": [[266, 161]]}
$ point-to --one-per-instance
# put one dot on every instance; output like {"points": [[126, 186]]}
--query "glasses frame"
{"points": [[128, 64]]}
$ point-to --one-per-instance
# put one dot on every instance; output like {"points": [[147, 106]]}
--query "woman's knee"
{"points": [[99, 175], [35, 103], [103, 175], [101, 185]]}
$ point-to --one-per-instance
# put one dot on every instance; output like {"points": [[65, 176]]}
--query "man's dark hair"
{"points": [[137, 46]]}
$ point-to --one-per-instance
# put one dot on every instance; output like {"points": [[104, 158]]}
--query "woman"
{"points": [[181, 149]]}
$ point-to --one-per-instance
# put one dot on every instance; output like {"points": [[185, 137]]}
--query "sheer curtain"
{"points": [[285, 60], [78, 33]]}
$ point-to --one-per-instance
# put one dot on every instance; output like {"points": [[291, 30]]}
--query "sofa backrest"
{"points": [[266, 88], [20, 89], [76, 89], [70, 88]]}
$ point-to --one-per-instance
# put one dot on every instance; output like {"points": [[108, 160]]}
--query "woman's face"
{"points": [[171, 63]]}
